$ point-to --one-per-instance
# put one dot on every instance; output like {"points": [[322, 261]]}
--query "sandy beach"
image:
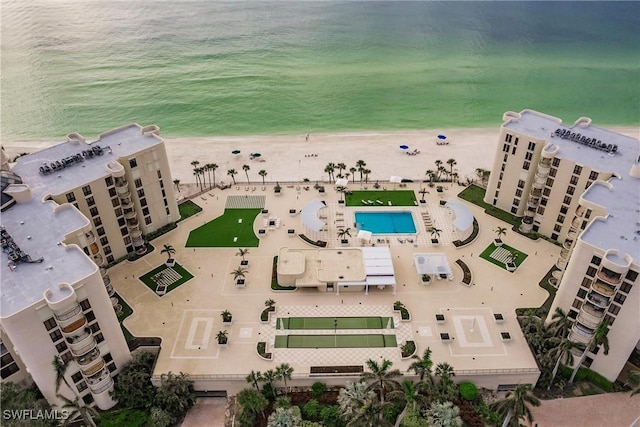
{"points": [[288, 158]]}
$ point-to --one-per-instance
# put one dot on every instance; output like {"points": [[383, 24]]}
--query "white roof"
{"points": [[341, 182], [431, 263], [364, 235], [309, 215], [464, 217]]}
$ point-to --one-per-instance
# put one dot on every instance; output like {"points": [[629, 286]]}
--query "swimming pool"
{"points": [[400, 222]]}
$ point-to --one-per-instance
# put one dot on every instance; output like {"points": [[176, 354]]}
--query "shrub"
{"points": [[408, 348], [331, 416], [264, 316], [311, 409], [318, 389], [282, 402], [468, 391]]}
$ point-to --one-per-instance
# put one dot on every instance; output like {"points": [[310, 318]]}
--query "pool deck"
{"points": [[188, 318]]}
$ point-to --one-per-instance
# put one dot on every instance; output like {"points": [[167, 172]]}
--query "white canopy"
{"points": [[395, 179], [309, 215], [432, 263], [378, 266], [364, 235], [341, 182], [464, 217]]}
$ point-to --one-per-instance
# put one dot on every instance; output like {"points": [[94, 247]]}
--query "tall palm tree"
{"points": [[382, 375], [329, 170], [353, 170], [60, 369], [446, 386], [212, 168], [411, 398], [269, 377], [232, 173], [360, 164], [422, 192], [431, 175], [284, 372], [599, 338], [500, 231], [176, 182], [366, 173], [169, 250], [422, 365], [76, 409], [197, 175], [203, 169], [560, 323], [340, 189], [254, 378], [515, 406], [438, 169], [451, 163], [341, 167], [263, 174], [246, 169], [564, 351]]}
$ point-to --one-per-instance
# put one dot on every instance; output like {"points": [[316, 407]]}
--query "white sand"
{"points": [[285, 157]]}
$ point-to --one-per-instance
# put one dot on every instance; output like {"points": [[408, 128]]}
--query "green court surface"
{"points": [[335, 341], [233, 229], [381, 198], [334, 323]]}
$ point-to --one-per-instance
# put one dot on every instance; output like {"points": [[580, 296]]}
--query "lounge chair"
{"points": [[389, 202], [379, 202], [370, 202], [363, 202]]}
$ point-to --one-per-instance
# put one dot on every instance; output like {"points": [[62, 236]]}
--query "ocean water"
{"points": [[200, 68]]}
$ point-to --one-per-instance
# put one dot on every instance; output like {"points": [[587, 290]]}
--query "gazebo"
{"points": [[309, 215], [433, 264]]}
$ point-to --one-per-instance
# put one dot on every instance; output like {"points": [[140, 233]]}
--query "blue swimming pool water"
{"points": [[386, 222]]}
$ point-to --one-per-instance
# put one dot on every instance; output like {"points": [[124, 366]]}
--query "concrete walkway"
{"points": [[602, 410], [207, 412]]}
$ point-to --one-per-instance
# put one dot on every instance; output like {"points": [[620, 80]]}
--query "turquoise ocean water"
{"points": [[199, 68]]}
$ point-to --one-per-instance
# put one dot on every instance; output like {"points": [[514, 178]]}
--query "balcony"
{"points": [[107, 280], [120, 182], [603, 289], [98, 379], [94, 368], [80, 340], [136, 235], [103, 272], [542, 173], [129, 214], [88, 358], [110, 290], [545, 161], [94, 248], [572, 234], [527, 220], [91, 238], [598, 300], [126, 203], [588, 320], [68, 316], [581, 333], [561, 263], [132, 223], [85, 348], [108, 383], [609, 276], [98, 260], [576, 223], [540, 180], [567, 244], [536, 192], [74, 325], [580, 211], [564, 253]]}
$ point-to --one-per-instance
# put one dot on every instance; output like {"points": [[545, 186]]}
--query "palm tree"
{"points": [[360, 164], [262, 173], [422, 365], [269, 377], [451, 163], [560, 323], [633, 380], [353, 170], [239, 273], [252, 401], [329, 170], [212, 168], [599, 338], [76, 409], [435, 232], [446, 386], [254, 378], [431, 174], [443, 414], [169, 250], [500, 231], [246, 169], [60, 369], [438, 169], [344, 232], [341, 167], [340, 189], [232, 173], [564, 351], [176, 182], [411, 398], [515, 405], [366, 173], [382, 375], [422, 192], [203, 169], [197, 175], [222, 337], [370, 414], [242, 252], [284, 372]]}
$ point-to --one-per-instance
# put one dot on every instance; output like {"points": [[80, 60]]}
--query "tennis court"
{"points": [[334, 323], [335, 341]]}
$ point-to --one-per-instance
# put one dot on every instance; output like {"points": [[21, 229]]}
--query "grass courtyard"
{"points": [[519, 256], [233, 229], [176, 274], [336, 341], [335, 322], [396, 197]]}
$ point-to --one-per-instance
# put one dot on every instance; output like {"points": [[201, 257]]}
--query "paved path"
{"points": [[603, 410], [207, 412]]}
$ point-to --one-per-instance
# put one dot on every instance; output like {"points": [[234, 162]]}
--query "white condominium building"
{"points": [[67, 212], [579, 185]]}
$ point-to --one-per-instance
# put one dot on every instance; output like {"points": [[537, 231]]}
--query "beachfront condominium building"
{"points": [[580, 186], [67, 212]]}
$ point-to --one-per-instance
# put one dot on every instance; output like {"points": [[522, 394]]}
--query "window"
{"points": [[554, 236], [587, 214], [163, 193], [112, 192], [588, 184], [514, 210], [100, 231], [133, 163], [496, 195], [532, 146], [50, 323], [520, 183], [141, 192], [121, 221], [556, 162], [167, 210], [586, 282], [95, 327], [549, 182], [507, 138], [56, 335], [159, 175], [544, 201], [71, 197], [85, 304], [557, 228], [147, 220], [631, 276], [107, 358], [86, 190], [593, 175], [571, 190], [123, 231], [588, 361], [161, 183], [118, 212], [591, 271], [516, 202], [614, 309], [87, 399], [518, 193], [9, 370], [502, 166], [577, 170], [138, 183], [90, 201], [145, 210], [127, 240], [143, 202], [99, 338], [515, 142], [573, 180], [93, 211], [528, 156], [582, 293], [107, 250], [576, 303], [619, 298], [609, 319], [567, 200], [560, 219], [81, 386], [109, 181], [97, 221], [626, 287], [552, 172], [66, 357], [61, 347], [513, 151], [110, 259], [506, 156], [564, 209], [77, 377], [104, 241], [572, 314], [90, 316], [526, 165], [596, 260], [540, 210], [115, 202], [111, 367]]}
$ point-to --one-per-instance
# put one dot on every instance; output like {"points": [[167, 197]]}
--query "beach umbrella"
{"points": [[395, 180], [341, 182], [256, 154], [443, 137], [236, 152], [404, 147]]}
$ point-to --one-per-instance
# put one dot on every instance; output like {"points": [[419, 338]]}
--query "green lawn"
{"points": [[396, 197], [187, 209], [185, 276], [520, 256], [335, 341], [475, 195], [274, 278], [220, 233], [334, 322]]}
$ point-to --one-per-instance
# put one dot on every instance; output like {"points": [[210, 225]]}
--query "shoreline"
{"points": [[288, 158]]}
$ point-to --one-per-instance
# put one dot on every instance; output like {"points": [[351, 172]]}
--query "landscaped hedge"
{"points": [[585, 374], [468, 391]]}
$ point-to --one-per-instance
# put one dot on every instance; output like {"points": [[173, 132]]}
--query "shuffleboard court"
{"points": [[335, 341], [335, 323]]}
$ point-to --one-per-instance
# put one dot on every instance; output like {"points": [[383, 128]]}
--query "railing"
{"points": [[68, 314], [587, 320], [106, 386], [85, 349], [593, 311], [598, 300], [94, 369], [615, 279], [130, 214], [132, 223], [85, 360], [98, 377], [577, 222], [77, 339], [536, 192], [567, 244], [91, 238], [603, 288], [75, 325], [98, 260]]}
